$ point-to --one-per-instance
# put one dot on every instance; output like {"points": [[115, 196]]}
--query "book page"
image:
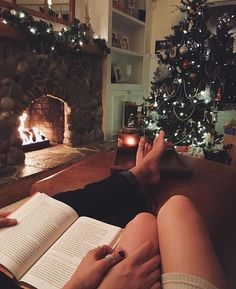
{"points": [[58, 264], [41, 221]]}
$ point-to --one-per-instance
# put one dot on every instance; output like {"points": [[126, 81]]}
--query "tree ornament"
{"points": [[204, 95], [190, 26], [193, 76], [173, 52], [162, 54], [193, 9], [178, 69], [183, 49], [207, 139], [186, 64], [218, 95], [13, 12], [162, 72]]}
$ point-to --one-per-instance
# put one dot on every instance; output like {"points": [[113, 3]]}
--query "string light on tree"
{"points": [[22, 15], [13, 12], [33, 30]]}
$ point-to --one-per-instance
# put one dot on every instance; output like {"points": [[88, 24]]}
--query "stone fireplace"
{"points": [[62, 96]]}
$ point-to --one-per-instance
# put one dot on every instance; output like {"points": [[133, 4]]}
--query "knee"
{"points": [[144, 226], [175, 206], [144, 219]]}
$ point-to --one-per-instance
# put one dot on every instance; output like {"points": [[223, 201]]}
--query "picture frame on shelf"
{"points": [[117, 72], [131, 4], [115, 41], [118, 4], [124, 43]]}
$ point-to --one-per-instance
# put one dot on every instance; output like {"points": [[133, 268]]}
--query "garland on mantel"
{"points": [[43, 38]]}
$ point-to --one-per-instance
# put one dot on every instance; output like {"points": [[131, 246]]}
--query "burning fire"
{"points": [[31, 135]]}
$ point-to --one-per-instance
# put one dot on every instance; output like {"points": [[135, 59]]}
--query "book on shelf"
{"points": [[46, 246]]}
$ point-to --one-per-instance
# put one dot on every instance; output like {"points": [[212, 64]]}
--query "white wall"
{"points": [[99, 23], [164, 15], [79, 9], [224, 117], [163, 19]]}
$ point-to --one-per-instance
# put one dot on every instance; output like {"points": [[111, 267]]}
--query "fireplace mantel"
{"points": [[11, 32]]}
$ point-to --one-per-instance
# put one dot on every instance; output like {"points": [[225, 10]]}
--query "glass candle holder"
{"points": [[128, 139]]}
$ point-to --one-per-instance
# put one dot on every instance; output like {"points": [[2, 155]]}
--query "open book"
{"points": [[44, 249]]}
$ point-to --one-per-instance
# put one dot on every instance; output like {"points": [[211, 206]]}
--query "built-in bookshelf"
{"points": [[126, 68]]}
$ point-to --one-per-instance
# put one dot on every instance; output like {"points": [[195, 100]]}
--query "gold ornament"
{"points": [[172, 52], [190, 26], [183, 49]]}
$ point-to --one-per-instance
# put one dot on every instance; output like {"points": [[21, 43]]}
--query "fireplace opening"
{"points": [[42, 123]]}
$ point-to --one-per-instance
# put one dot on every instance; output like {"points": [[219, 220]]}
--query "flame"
{"points": [[130, 140], [31, 135]]}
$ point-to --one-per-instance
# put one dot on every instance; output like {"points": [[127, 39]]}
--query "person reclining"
{"points": [[164, 251]]}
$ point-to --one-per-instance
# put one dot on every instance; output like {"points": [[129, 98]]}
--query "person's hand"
{"points": [[6, 222], [136, 271], [93, 267]]}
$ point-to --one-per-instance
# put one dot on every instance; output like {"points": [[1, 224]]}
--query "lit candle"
{"points": [[128, 139], [131, 141]]}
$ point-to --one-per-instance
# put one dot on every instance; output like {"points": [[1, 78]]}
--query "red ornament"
{"points": [[185, 64], [218, 95]]}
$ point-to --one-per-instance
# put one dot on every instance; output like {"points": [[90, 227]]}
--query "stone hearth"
{"points": [[16, 181], [40, 84]]}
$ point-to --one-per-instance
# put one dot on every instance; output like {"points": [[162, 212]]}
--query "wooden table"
{"points": [[212, 187]]}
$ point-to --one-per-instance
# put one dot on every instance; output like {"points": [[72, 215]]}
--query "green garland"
{"points": [[43, 38]]}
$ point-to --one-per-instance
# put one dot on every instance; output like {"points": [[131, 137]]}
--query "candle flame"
{"points": [[131, 141]]}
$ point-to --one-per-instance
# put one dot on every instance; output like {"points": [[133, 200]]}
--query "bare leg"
{"points": [[142, 262], [184, 242]]}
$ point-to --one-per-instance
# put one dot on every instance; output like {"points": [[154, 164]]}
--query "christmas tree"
{"points": [[189, 83]]}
